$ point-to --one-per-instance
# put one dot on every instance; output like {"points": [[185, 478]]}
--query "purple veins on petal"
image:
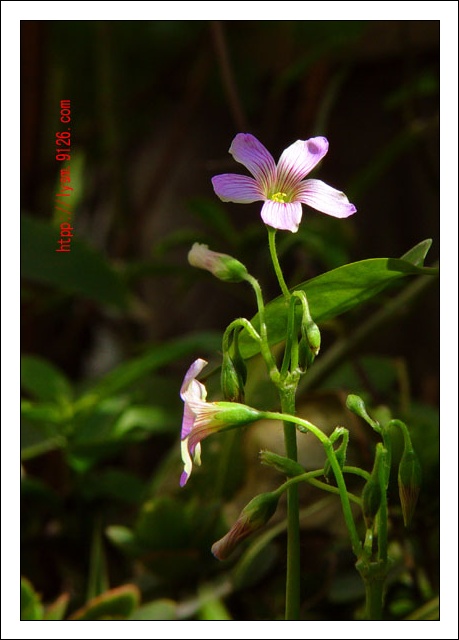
{"points": [[282, 188], [326, 199], [231, 187], [282, 215], [298, 160], [250, 152]]}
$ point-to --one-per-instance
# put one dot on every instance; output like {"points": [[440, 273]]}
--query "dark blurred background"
{"points": [[154, 107]]}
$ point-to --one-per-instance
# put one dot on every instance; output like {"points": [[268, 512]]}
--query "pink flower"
{"points": [[282, 187], [201, 418]]}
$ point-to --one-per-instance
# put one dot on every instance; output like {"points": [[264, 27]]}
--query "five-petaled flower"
{"points": [[282, 187], [201, 418]]}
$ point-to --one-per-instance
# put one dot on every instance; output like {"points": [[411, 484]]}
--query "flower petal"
{"points": [[249, 151], [187, 452], [231, 187], [192, 390], [198, 390], [187, 421], [298, 160], [187, 464], [282, 215], [324, 198]]}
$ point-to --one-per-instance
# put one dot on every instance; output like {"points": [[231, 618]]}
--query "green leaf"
{"points": [[123, 538], [48, 412], [336, 292], [42, 380], [56, 610], [151, 419], [117, 604], [98, 581], [31, 607], [212, 607], [429, 611], [81, 271], [162, 609], [38, 438], [418, 253]]}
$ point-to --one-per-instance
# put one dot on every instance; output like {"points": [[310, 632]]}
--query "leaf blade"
{"points": [[337, 291]]}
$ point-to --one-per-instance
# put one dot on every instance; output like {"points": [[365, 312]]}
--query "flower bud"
{"points": [[286, 466], [409, 483], [221, 265], [356, 405], [371, 500], [238, 360], [305, 355], [313, 336], [372, 491], [254, 516], [231, 381]]}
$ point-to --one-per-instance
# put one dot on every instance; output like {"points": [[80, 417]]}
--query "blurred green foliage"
{"points": [[109, 329]]}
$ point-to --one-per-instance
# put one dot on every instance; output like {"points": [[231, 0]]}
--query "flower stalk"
{"points": [[283, 189]]}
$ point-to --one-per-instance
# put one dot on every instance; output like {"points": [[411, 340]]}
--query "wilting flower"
{"points": [[221, 265], [282, 187], [254, 516], [201, 418]]}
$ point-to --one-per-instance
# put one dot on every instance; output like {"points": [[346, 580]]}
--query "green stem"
{"points": [[374, 596], [292, 590], [357, 471], [287, 396], [237, 324], [291, 346], [345, 503], [264, 344], [275, 259], [404, 429], [374, 576], [306, 427], [382, 515], [310, 478]]}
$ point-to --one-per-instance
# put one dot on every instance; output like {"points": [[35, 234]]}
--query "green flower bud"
{"points": [[356, 405], [371, 500], [313, 337], [409, 483], [253, 517], [238, 360], [286, 466], [372, 491], [232, 382], [221, 265], [305, 355]]}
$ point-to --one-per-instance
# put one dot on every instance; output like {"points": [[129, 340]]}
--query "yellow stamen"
{"points": [[280, 196]]}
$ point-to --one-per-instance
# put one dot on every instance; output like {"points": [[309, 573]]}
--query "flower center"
{"points": [[280, 196]]}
